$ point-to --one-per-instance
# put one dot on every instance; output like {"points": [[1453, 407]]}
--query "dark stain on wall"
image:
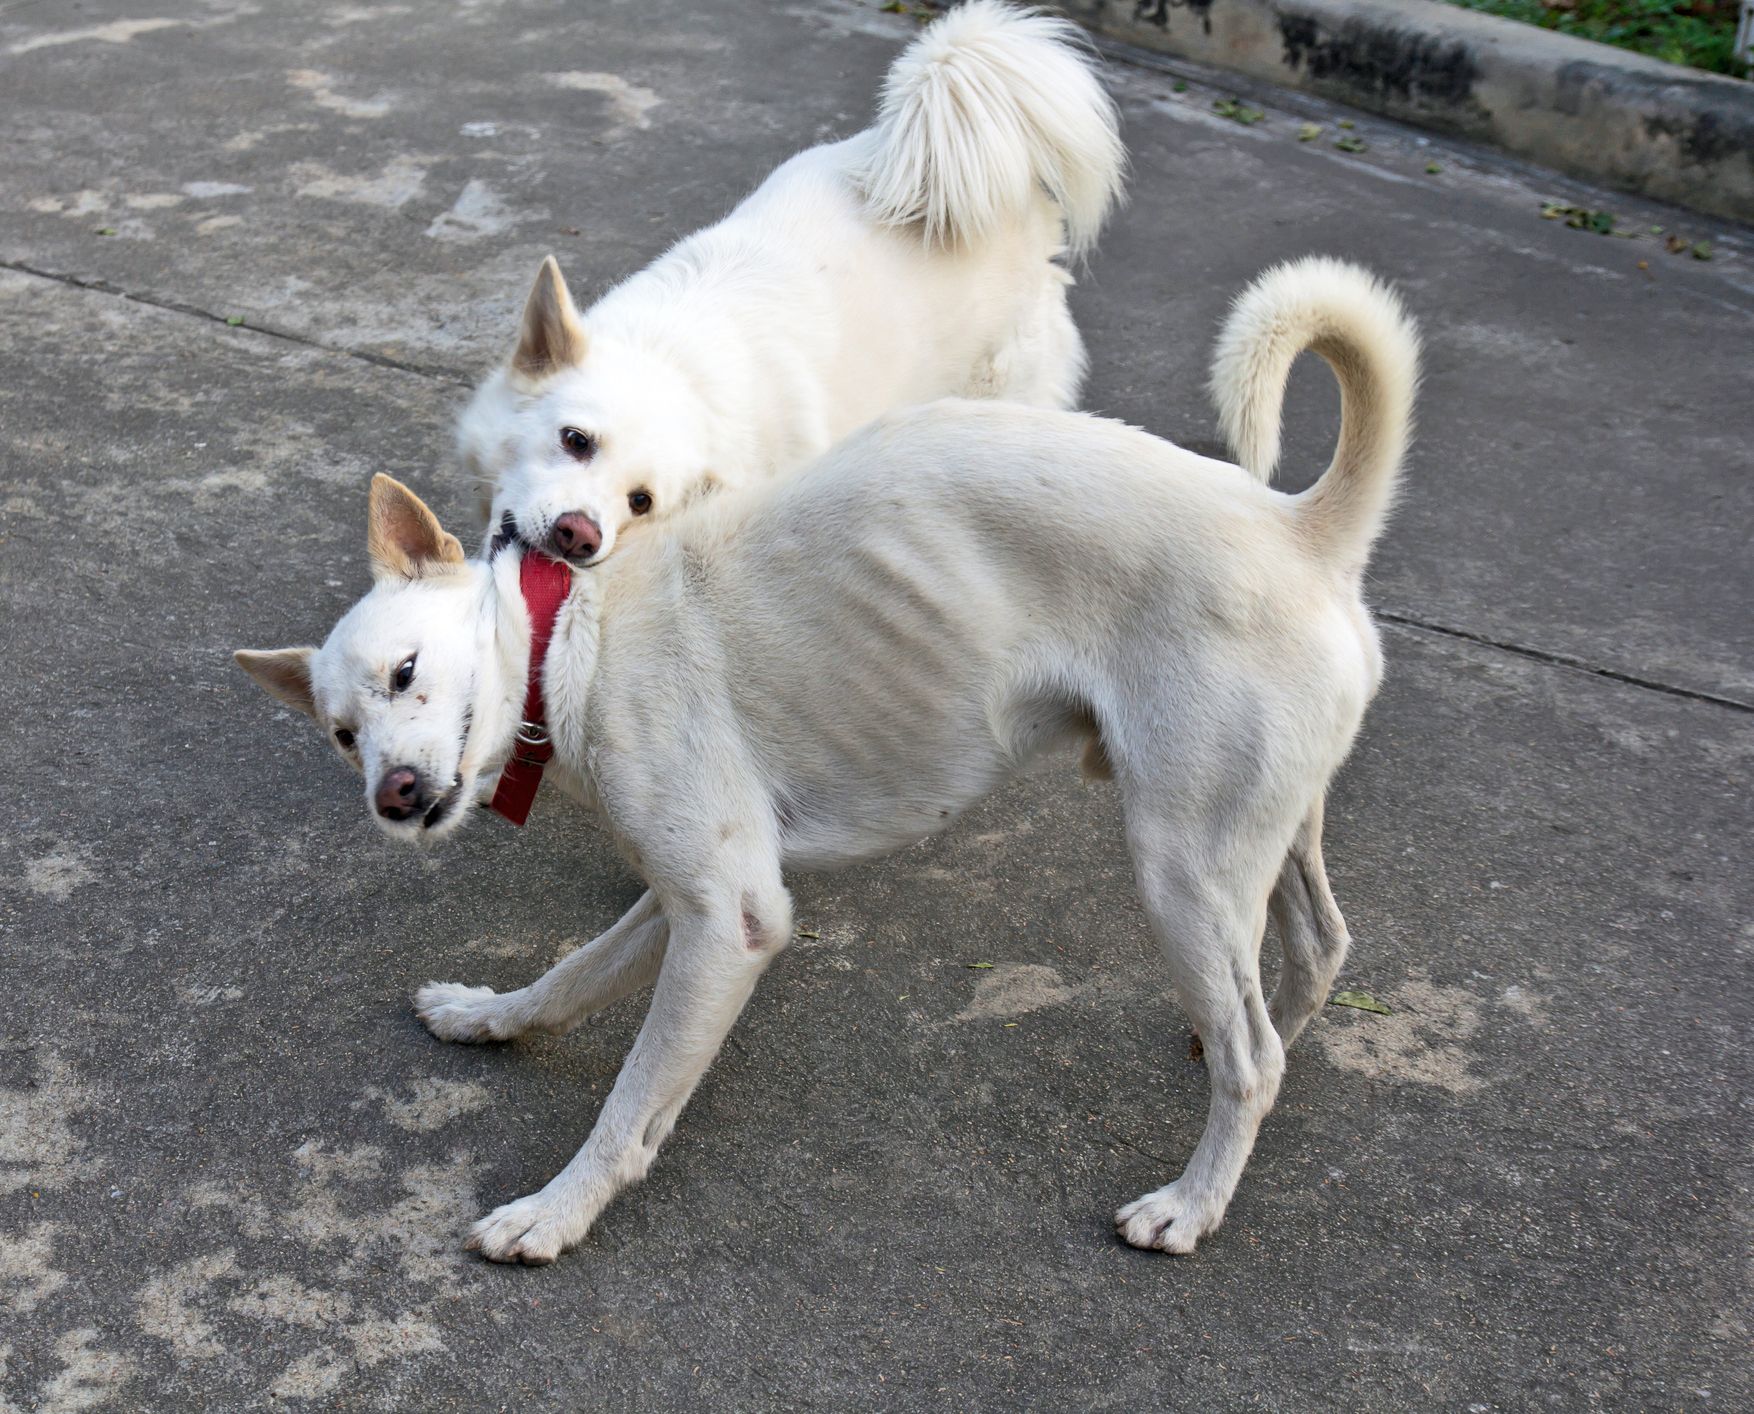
{"points": [[1156, 12], [1390, 64]]}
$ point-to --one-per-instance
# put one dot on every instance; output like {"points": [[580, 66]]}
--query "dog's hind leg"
{"points": [[1311, 931], [1205, 892], [717, 951], [625, 959]]}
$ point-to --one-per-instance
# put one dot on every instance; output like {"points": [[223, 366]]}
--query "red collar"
{"points": [[544, 583]]}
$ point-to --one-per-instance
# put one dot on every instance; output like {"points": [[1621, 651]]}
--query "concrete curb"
{"points": [[1590, 110]]}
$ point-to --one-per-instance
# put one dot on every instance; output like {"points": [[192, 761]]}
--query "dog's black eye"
{"points": [[639, 502], [404, 674], [580, 446], [344, 738]]}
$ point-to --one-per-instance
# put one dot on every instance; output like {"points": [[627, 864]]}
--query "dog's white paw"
{"points": [[530, 1231], [1169, 1220], [453, 1012]]}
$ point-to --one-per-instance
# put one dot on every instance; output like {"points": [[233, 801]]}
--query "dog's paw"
{"points": [[528, 1231], [453, 1012], [1168, 1220]]}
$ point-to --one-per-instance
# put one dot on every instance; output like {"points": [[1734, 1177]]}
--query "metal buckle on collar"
{"points": [[532, 734]]}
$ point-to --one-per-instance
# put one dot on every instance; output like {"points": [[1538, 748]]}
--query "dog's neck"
{"points": [[503, 665]]}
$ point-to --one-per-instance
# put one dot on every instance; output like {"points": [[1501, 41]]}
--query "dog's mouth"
{"points": [[509, 532], [443, 806]]}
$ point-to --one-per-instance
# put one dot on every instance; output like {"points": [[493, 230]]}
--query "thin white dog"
{"points": [[839, 663], [915, 260]]}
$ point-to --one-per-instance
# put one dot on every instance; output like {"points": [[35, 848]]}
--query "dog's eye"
{"points": [[404, 674], [639, 502], [580, 446], [344, 738]]}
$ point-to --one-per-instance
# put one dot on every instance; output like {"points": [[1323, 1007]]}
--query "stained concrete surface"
{"points": [[235, 1172]]}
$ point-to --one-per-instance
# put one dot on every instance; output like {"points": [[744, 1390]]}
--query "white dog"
{"points": [[910, 262], [839, 663]]}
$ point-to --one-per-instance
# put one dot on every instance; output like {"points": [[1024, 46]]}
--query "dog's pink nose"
{"points": [[397, 793], [576, 536]]}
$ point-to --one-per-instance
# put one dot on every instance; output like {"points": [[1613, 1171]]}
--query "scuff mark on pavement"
{"points": [[434, 1104], [57, 874], [37, 1145], [629, 102], [115, 32], [1015, 989], [322, 91], [476, 213], [1418, 1042]]}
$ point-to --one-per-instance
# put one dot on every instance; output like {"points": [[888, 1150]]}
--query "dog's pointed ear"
{"points": [[404, 537], [551, 337], [284, 673]]}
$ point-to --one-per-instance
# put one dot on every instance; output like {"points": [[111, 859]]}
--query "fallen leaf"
{"points": [[808, 933], [1347, 123], [1309, 132], [1702, 250], [1363, 1001], [977, 966], [106, 230], [1349, 144], [234, 320], [1179, 86], [1237, 111], [1580, 218], [1433, 168]]}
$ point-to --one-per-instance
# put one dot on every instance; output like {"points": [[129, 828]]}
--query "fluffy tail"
{"points": [[987, 107], [1359, 327]]}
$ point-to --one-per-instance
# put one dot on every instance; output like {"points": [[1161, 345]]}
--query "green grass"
{"points": [[1697, 32]]}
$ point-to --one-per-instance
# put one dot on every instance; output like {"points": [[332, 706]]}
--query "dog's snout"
{"points": [[398, 794], [576, 536]]}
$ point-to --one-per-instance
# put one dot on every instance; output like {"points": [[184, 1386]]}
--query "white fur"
{"points": [[912, 261], [838, 664], [988, 106], [1349, 318]]}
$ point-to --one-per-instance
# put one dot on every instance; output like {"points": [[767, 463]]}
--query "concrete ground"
{"points": [[235, 1171]]}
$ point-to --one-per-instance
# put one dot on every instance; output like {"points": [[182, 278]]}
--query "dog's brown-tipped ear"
{"points": [[284, 673], [404, 538], [551, 337]]}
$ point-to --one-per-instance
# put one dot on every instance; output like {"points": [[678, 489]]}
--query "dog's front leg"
{"points": [[602, 971], [712, 962]]}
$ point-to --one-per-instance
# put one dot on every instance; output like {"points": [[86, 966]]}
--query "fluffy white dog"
{"points": [[915, 260], [839, 663]]}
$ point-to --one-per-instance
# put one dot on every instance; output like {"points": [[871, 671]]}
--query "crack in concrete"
{"points": [[1562, 660], [98, 285]]}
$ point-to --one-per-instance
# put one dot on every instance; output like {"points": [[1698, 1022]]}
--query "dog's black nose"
{"points": [[398, 793], [576, 536]]}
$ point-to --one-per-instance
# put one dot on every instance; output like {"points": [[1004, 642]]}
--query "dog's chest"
{"points": [[566, 682]]}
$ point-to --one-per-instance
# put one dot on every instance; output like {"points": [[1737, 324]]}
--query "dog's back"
{"points": [[951, 559]]}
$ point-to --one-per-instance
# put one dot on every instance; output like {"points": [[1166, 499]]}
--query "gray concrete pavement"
{"points": [[235, 1172]]}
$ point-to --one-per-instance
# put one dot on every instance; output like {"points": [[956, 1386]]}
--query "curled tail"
{"points": [[986, 108], [1359, 327]]}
